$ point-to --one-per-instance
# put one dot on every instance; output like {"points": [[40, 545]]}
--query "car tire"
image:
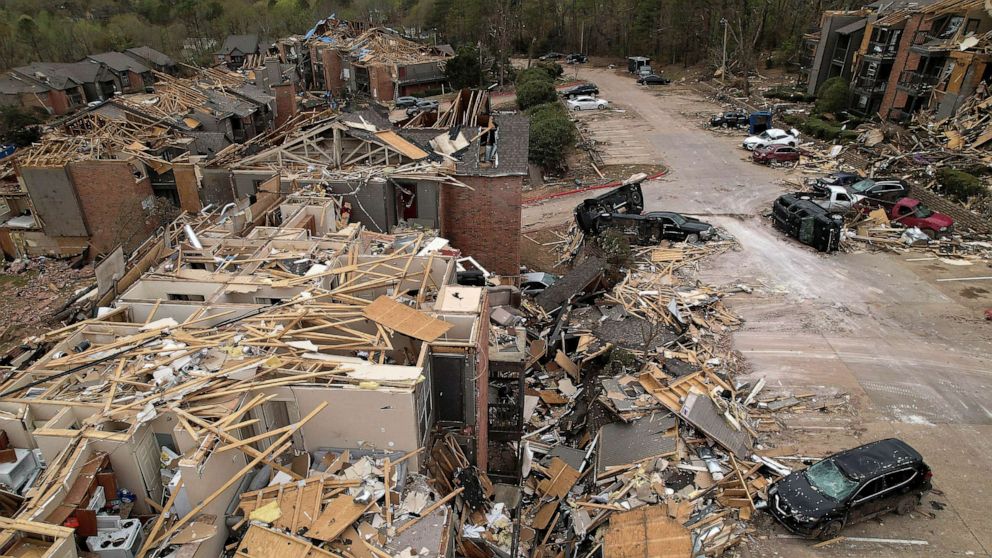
{"points": [[601, 107], [576, 109], [692, 238], [792, 144], [907, 504], [830, 530], [930, 233]]}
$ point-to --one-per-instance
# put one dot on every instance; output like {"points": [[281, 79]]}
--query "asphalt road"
{"points": [[914, 354]]}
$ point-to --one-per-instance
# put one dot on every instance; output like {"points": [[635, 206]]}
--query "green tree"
{"points": [[463, 70], [833, 96], [551, 134], [19, 126], [535, 92]]}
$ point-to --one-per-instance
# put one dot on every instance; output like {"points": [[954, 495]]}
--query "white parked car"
{"points": [[772, 136], [587, 103]]}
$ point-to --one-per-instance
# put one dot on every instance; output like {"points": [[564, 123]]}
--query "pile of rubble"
{"points": [[641, 440], [38, 292]]}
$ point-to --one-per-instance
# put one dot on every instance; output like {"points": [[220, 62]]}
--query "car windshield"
{"points": [[679, 220], [922, 211], [827, 479], [863, 186]]}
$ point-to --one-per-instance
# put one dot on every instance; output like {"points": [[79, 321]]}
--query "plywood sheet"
{"points": [[408, 321], [646, 532], [340, 513], [562, 477], [397, 142]]}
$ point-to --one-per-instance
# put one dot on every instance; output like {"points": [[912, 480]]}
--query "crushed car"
{"points": [[836, 179], [881, 189], [850, 486], [621, 209], [911, 212], [835, 199]]}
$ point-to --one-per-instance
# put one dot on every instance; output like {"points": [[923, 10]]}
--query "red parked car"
{"points": [[775, 153]]}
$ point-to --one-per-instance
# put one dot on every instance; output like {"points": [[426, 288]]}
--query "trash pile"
{"points": [[640, 438]]}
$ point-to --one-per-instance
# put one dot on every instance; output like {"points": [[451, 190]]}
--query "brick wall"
{"points": [[893, 98], [381, 83], [135, 82], [485, 223], [285, 102], [59, 101], [332, 70], [110, 197]]}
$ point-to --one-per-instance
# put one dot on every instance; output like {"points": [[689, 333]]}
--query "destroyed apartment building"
{"points": [[376, 62], [272, 376], [903, 57], [93, 181], [277, 329], [61, 88]]}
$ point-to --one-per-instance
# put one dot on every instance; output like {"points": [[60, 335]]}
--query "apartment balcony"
{"points": [[926, 43], [917, 83], [869, 85], [881, 51]]}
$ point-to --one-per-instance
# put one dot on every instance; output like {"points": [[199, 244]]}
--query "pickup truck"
{"points": [[910, 212], [834, 199]]}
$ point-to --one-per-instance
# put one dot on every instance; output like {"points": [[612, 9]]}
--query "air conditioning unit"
{"points": [[16, 473], [117, 538]]}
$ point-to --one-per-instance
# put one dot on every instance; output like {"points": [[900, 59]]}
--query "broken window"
{"points": [[185, 297]]}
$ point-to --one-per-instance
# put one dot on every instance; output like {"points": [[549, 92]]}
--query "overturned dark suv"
{"points": [[850, 486]]}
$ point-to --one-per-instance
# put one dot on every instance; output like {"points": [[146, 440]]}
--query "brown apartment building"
{"points": [[919, 55]]}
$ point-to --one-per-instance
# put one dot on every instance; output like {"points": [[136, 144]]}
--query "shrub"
{"points": [[833, 96], [535, 73], [959, 185], [533, 92], [787, 94], [551, 133]]}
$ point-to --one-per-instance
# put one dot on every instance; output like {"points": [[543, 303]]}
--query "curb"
{"points": [[613, 184]]}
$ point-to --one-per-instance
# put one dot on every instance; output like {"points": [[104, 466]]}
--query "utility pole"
{"points": [[723, 70]]}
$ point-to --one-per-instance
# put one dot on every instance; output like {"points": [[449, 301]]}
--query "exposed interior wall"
{"points": [[216, 186], [381, 418], [373, 203], [201, 480], [54, 198]]}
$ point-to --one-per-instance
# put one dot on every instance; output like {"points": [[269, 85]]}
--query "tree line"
{"points": [[686, 32]]}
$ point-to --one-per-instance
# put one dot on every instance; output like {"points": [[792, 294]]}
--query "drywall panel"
{"points": [[371, 418], [54, 200]]}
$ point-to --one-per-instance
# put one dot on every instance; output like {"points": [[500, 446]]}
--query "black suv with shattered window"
{"points": [[853, 485]]}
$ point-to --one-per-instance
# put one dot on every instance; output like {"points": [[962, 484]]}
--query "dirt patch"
{"points": [[973, 292], [537, 249]]}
